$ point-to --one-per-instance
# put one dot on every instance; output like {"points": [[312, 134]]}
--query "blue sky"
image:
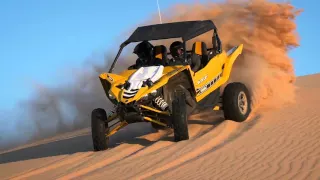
{"points": [[39, 38]]}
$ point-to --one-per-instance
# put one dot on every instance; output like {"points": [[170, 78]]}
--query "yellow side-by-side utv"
{"points": [[165, 95]]}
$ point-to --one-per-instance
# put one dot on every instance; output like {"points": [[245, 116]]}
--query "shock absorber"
{"points": [[161, 103], [112, 111]]}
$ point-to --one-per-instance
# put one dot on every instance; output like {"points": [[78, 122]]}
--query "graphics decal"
{"points": [[202, 79], [208, 85]]}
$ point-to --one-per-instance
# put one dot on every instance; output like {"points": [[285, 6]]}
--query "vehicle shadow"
{"points": [[213, 118], [78, 143], [83, 143]]}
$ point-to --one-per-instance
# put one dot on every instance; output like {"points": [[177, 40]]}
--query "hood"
{"points": [[131, 85]]}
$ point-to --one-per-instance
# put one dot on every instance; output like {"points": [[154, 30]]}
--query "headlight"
{"points": [[110, 95], [154, 92], [145, 97]]}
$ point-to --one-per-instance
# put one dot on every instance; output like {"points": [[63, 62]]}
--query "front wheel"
{"points": [[179, 117], [99, 129], [236, 101]]}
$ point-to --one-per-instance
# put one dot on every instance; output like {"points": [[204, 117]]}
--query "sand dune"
{"points": [[278, 144]]}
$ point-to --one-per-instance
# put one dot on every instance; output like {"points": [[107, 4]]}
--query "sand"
{"points": [[276, 144]]}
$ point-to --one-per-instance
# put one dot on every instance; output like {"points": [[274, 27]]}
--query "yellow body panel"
{"points": [[212, 76], [205, 81]]}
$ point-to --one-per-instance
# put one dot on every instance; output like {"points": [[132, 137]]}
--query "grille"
{"points": [[130, 93]]}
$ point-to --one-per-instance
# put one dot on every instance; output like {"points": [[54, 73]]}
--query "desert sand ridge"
{"points": [[278, 144]]}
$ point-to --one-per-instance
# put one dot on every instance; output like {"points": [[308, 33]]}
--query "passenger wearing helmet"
{"points": [[144, 51]]}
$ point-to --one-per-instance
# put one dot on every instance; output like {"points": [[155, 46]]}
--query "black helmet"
{"points": [[144, 49], [174, 48]]}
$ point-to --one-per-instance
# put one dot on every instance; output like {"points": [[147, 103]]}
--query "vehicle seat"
{"points": [[199, 48], [160, 55]]}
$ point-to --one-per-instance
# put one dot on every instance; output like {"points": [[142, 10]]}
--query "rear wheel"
{"points": [[179, 117], [99, 129], [236, 102]]}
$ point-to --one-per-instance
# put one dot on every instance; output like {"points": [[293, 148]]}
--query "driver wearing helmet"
{"points": [[176, 50], [144, 51]]}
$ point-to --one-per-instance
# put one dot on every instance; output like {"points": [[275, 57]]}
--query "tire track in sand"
{"points": [[226, 137], [70, 160], [127, 153], [196, 131], [229, 127], [153, 145], [210, 134], [161, 144], [149, 138], [102, 163]]}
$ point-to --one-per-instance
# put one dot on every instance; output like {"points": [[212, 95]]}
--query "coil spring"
{"points": [[161, 103]]}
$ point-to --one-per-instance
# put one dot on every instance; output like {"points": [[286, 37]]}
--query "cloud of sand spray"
{"points": [[266, 29]]}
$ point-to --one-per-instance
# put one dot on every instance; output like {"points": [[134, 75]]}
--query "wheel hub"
{"points": [[242, 102]]}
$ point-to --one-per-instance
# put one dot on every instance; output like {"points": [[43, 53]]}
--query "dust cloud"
{"points": [[267, 30]]}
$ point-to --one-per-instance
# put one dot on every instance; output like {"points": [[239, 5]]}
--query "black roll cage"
{"points": [[185, 29]]}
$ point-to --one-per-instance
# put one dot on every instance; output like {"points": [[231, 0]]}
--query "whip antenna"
{"points": [[159, 11]]}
